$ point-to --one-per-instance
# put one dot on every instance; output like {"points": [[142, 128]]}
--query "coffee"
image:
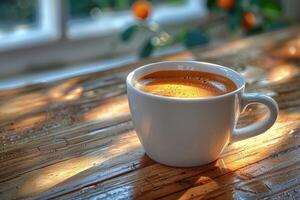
{"points": [[185, 84]]}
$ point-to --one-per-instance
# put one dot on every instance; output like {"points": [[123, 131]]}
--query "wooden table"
{"points": [[74, 139]]}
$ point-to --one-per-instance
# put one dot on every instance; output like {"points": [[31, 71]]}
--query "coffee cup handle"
{"points": [[259, 126]]}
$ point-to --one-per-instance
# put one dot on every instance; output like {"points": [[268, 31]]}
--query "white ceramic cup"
{"points": [[186, 132]]}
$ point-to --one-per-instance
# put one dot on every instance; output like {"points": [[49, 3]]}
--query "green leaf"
{"points": [[147, 49], [237, 7], [272, 25], [271, 9], [181, 36], [127, 34], [211, 4], [195, 38], [255, 2], [234, 20]]}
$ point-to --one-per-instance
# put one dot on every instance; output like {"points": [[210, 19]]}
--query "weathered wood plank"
{"points": [[157, 181], [74, 139]]}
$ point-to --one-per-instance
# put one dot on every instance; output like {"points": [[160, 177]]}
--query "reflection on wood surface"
{"points": [[281, 73], [70, 170], [74, 139], [110, 109], [22, 104], [289, 50], [29, 122]]}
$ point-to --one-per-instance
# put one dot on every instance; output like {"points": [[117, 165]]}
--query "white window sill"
{"points": [[27, 38], [76, 70]]}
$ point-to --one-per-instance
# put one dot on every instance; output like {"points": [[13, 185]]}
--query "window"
{"points": [[17, 18], [95, 9], [17, 15], [103, 17], [48, 32]]}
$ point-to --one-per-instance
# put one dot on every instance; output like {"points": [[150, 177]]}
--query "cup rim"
{"points": [[130, 85]]}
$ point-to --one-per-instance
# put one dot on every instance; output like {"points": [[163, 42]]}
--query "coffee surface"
{"points": [[185, 84]]}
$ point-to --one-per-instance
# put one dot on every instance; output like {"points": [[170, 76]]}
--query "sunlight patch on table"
{"points": [[229, 48], [29, 122], [22, 105], [70, 170], [266, 147], [73, 94], [113, 108], [280, 73], [257, 139], [65, 91], [200, 191]]}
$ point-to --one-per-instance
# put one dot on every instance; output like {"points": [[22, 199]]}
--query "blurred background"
{"points": [[44, 40]]}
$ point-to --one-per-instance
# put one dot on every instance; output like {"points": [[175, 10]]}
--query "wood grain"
{"points": [[74, 139]]}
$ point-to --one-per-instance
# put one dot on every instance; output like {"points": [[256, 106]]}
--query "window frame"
{"points": [[47, 29], [59, 41]]}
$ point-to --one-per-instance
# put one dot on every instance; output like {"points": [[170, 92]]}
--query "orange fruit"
{"points": [[248, 20], [225, 4], [141, 9]]}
